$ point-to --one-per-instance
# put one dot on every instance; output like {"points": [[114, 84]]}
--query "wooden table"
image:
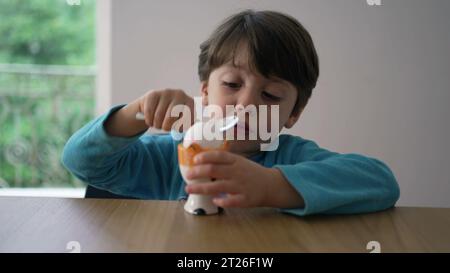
{"points": [[30, 224]]}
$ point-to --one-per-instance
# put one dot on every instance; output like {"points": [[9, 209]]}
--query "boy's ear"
{"points": [[204, 92], [295, 115]]}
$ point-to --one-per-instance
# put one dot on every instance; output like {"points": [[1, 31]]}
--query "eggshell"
{"points": [[203, 134]]}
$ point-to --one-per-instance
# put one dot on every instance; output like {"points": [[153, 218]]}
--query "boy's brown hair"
{"points": [[278, 45]]}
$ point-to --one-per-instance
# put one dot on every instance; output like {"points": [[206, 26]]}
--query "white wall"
{"points": [[383, 89]]}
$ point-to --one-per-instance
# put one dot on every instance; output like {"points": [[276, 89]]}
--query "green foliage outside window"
{"points": [[47, 84]]}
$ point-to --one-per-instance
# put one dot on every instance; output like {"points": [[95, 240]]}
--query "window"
{"points": [[47, 87]]}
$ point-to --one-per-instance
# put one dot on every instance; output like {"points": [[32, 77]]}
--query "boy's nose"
{"points": [[247, 98], [247, 107]]}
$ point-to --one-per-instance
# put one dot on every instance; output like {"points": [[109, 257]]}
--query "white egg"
{"points": [[206, 134]]}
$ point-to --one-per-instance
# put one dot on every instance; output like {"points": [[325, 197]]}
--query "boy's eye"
{"points": [[232, 85], [269, 96]]}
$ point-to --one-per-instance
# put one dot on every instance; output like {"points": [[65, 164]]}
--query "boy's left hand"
{"points": [[239, 182]]}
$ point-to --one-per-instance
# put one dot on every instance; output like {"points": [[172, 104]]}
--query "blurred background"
{"points": [[384, 89], [47, 90]]}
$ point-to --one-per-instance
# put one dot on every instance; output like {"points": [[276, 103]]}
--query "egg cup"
{"points": [[197, 204]]}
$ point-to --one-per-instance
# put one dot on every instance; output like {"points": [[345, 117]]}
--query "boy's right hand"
{"points": [[156, 105]]}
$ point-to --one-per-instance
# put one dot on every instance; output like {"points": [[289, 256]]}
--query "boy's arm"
{"points": [[332, 183], [123, 123], [156, 105], [108, 152], [130, 166]]}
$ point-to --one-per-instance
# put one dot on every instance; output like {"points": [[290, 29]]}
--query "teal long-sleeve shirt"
{"points": [[146, 167]]}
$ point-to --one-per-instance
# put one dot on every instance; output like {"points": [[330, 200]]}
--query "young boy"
{"points": [[252, 58]]}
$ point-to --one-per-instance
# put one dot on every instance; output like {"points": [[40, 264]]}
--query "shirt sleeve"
{"points": [[333, 183], [138, 166]]}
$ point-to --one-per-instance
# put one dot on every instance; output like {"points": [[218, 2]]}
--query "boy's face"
{"points": [[230, 85]]}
